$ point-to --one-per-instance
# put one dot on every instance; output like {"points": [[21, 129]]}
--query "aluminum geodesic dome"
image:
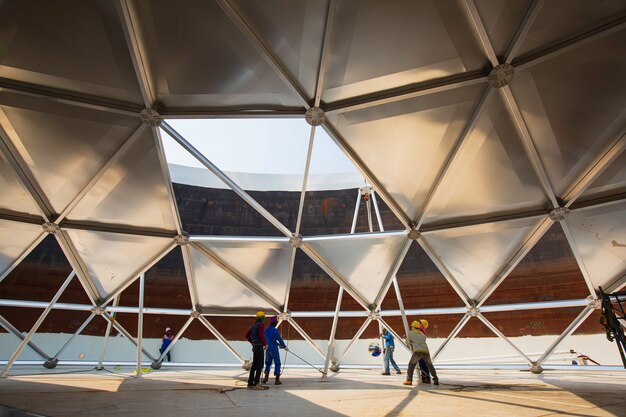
{"points": [[478, 123]]}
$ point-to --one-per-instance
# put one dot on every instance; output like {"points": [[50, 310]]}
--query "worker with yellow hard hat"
{"points": [[256, 337], [417, 342]]}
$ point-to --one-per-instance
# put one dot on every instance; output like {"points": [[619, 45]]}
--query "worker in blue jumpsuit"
{"points": [[274, 342], [389, 348]]}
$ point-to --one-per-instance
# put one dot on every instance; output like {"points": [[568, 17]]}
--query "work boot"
{"points": [[435, 381], [277, 382], [407, 382], [258, 387], [398, 372], [385, 373], [266, 377]]}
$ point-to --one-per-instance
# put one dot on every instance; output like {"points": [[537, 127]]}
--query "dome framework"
{"points": [[478, 130]]}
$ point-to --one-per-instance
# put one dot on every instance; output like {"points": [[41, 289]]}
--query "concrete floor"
{"points": [[191, 393]]}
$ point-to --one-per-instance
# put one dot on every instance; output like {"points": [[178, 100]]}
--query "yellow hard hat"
{"points": [[260, 314], [415, 324], [424, 323]]}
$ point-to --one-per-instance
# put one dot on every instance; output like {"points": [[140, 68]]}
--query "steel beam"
{"points": [[522, 30], [221, 338], [356, 212], [608, 156], [123, 229], [140, 325], [452, 335], [319, 314], [394, 95], [305, 180], [312, 253], [576, 41], [353, 236], [238, 277], [503, 337], [579, 259], [616, 285], [280, 70], [123, 331], [137, 53], [121, 151], [266, 112], [76, 333], [331, 338], [481, 33], [477, 221], [156, 133], [38, 323], [319, 86], [71, 98], [224, 178], [306, 337], [529, 145], [391, 275], [405, 321], [365, 171], [460, 143], [377, 210], [292, 262], [568, 331], [12, 329], [356, 336], [190, 274], [99, 367], [444, 271], [23, 255], [173, 342], [531, 240]]}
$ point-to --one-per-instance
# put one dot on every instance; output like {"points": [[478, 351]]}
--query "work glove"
{"points": [[264, 347], [286, 349]]}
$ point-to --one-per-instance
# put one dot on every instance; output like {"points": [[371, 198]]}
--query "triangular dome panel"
{"points": [[311, 288], [492, 172], [599, 234], [188, 76], [570, 137], [132, 192], [548, 272], [264, 262], [14, 196], [405, 143], [611, 181], [114, 260], [363, 260], [218, 290], [64, 146], [421, 284], [15, 239], [474, 255]]}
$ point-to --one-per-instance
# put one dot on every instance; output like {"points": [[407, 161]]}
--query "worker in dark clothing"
{"points": [[165, 342], [256, 337], [274, 341]]}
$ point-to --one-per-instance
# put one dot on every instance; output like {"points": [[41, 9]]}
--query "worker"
{"points": [[274, 342], [389, 348], [417, 342], [165, 342], [256, 337], [422, 364]]}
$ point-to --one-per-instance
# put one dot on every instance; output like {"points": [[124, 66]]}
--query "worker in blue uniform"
{"points": [[274, 342]]}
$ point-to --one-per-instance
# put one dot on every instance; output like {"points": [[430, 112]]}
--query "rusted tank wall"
{"points": [[548, 272]]}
